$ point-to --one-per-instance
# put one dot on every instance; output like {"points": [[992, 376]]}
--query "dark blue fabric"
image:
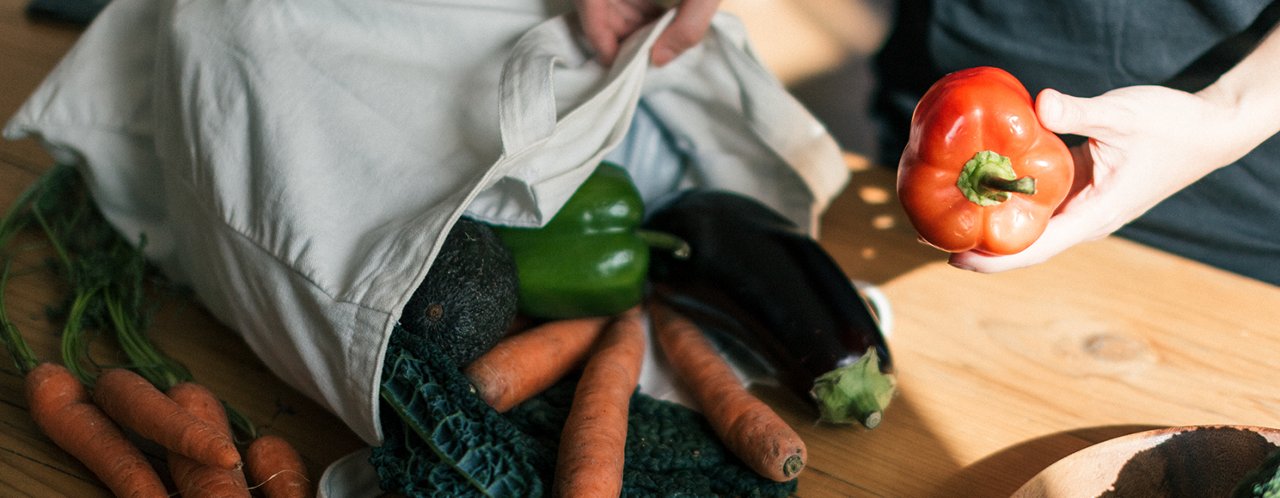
{"points": [[1229, 219], [79, 12], [1084, 47]]}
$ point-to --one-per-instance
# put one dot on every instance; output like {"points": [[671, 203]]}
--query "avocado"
{"points": [[468, 299]]}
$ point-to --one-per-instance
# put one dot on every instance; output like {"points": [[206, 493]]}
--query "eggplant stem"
{"points": [[857, 392]]}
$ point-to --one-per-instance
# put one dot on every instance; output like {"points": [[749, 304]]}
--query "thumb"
{"points": [[1063, 232], [1067, 115]]}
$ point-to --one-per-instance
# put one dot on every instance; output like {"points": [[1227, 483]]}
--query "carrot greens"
{"points": [[57, 400], [109, 289]]}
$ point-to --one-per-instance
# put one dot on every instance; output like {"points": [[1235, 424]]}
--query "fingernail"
{"points": [[961, 266]]}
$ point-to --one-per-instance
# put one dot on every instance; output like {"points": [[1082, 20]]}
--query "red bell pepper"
{"points": [[979, 171]]}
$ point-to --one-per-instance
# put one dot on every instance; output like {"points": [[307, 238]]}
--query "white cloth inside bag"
{"points": [[298, 162]]}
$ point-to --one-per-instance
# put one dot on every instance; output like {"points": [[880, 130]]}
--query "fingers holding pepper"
{"points": [[1145, 144]]}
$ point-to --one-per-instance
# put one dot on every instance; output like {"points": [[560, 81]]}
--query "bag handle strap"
{"points": [[526, 91], [526, 107]]}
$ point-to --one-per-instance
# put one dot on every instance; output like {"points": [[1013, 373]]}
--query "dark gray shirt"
{"points": [[1230, 218]]}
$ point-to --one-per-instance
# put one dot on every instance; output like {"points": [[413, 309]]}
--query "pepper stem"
{"points": [[663, 240], [988, 179], [857, 392]]}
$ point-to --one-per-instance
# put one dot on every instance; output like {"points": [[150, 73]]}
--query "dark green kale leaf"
{"points": [[443, 440]]}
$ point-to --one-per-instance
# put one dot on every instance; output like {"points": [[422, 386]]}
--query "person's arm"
{"points": [[1252, 89], [1145, 144], [607, 22]]}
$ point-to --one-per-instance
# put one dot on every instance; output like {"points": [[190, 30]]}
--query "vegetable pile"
{"points": [[87, 410], [479, 400], [553, 407]]}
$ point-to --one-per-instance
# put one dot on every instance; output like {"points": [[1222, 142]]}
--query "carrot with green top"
{"points": [[113, 281], [751, 430], [594, 438], [275, 468], [524, 364], [63, 410], [105, 273]]}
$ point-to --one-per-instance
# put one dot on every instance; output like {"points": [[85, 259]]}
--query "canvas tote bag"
{"points": [[298, 163]]}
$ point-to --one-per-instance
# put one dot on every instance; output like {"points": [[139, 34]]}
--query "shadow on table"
{"points": [[866, 231], [1017, 464], [852, 461]]}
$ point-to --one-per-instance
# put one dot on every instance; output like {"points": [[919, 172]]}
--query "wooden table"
{"points": [[1000, 374]]}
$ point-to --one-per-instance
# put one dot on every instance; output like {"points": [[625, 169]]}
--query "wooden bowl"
{"points": [[1192, 461]]}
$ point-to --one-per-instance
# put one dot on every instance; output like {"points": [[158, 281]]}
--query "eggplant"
{"points": [[755, 276]]}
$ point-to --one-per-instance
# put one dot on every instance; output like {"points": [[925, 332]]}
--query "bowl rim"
{"points": [[1141, 440]]}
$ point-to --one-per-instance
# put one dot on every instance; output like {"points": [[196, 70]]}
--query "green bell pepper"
{"points": [[592, 258]]}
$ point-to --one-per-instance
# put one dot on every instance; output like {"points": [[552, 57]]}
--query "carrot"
{"points": [[277, 468], [751, 430], [135, 403], [527, 363], [192, 478], [64, 411], [593, 442]]}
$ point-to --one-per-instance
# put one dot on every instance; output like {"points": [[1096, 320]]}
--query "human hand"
{"points": [[1145, 143], [607, 22]]}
